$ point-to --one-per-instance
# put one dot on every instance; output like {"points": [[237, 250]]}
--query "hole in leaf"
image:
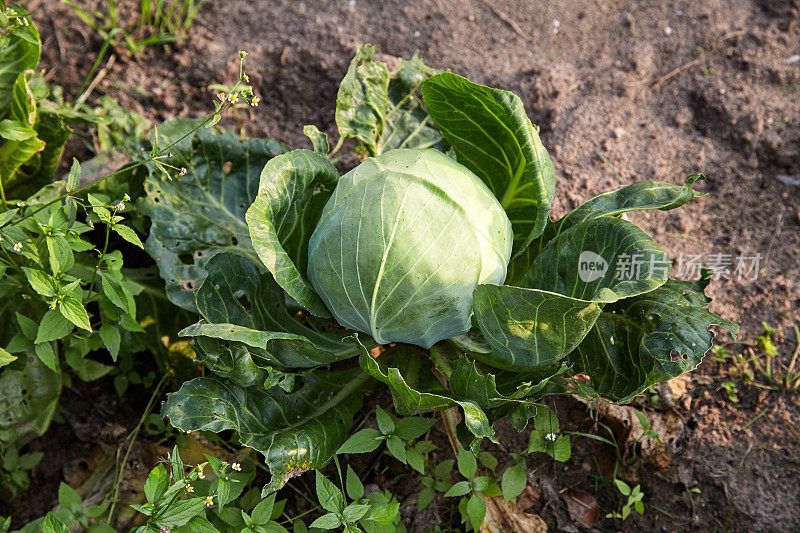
{"points": [[674, 355], [186, 259], [189, 285], [234, 241], [199, 254], [241, 297]]}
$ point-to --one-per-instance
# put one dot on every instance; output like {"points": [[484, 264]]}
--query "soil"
{"points": [[622, 91]]}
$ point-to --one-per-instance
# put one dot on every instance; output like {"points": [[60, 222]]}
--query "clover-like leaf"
{"points": [[295, 432], [494, 138], [201, 212]]}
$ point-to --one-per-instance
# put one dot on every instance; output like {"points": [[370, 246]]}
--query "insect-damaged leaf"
{"points": [[201, 213], [296, 431]]}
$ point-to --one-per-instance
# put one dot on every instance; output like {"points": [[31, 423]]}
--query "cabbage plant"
{"points": [[432, 268]]}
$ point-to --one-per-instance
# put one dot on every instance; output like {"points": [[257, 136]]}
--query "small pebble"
{"points": [[619, 132], [679, 12], [668, 30], [793, 59], [416, 33], [352, 3]]}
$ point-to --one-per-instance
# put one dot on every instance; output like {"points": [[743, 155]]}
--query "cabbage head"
{"points": [[403, 242]]}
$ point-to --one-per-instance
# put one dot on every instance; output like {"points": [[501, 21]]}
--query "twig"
{"points": [[674, 72], [97, 79], [505, 18], [658, 82], [132, 438]]}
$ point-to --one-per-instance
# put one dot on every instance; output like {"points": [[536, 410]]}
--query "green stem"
{"points": [[100, 262], [132, 438]]}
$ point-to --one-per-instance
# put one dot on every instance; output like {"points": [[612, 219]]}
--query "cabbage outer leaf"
{"points": [[494, 138]]}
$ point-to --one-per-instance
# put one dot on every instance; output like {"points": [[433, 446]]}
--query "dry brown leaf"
{"points": [[502, 517], [582, 507]]}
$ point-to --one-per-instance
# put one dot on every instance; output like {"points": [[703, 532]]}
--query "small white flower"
{"points": [[254, 102], [201, 475], [209, 501], [18, 247], [26, 296], [221, 96], [120, 206], [165, 529], [1, 238], [189, 488], [91, 224], [245, 78], [551, 437], [237, 467], [183, 171], [20, 204], [53, 304], [233, 97], [126, 198]]}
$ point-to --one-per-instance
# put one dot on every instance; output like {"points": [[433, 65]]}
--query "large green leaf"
{"points": [[635, 197], [528, 328], [29, 393], [201, 213], [415, 389], [241, 305], [601, 260], [20, 48], [292, 192], [493, 137], [296, 431], [16, 152], [381, 108], [649, 338]]}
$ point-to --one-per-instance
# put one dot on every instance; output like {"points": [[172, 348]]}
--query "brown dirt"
{"points": [[622, 91]]}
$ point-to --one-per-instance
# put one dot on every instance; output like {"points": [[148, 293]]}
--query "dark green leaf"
{"points": [[355, 489], [459, 489], [467, 464], [413, 427], [396, 448], [514, 481], [363, 441], [476, 510], [111, 339], [385, 421], [293, 190], [128, 234], [73, 310], [493, 137], [530, 328], [68, 498], [329, 496], [246, 308], [47, 355], [201, 213], [180, 512], [634, 197], [156, 484], [320, 415], [53, 326], [600, 260], [28, 400], [327, 521], [650, 338]]}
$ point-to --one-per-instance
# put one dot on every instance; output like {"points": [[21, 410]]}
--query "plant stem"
{"points": [[132, 439]]}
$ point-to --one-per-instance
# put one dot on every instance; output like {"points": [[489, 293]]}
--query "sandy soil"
{"points": [[622, 91]]}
